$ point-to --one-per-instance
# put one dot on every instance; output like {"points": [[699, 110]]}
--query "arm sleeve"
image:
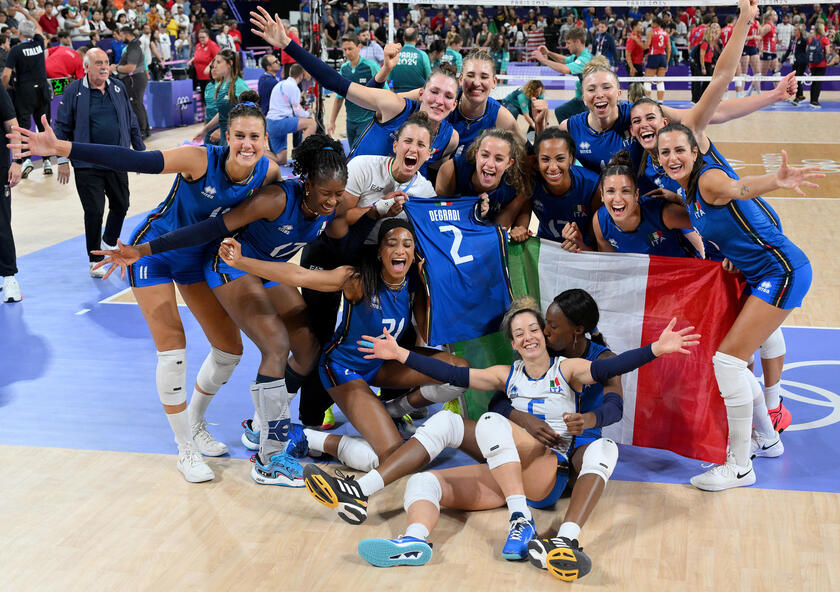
{"points": [[604, 369], [319, 70], [500, 403], [610, 411], [118, 158], [439, 370], [190, 236]]}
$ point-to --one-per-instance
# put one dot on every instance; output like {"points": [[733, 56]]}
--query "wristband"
{"points": [[610, 411]]}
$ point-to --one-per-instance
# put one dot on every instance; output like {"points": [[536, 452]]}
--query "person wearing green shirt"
{"points": [[571, 64], [414, 67], [519, 101], [355, 69], [226, 74], [452, 55]]}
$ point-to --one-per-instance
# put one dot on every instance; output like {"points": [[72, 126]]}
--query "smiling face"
{"points": [[439, 97], [601, 94], [492, 159], [324, 195], [411, 150], [528, 338], [554, 160], [246, 140], [676, 155], [645, 121], [621, 197], [396, 251], [477, 80], [560, 332]]}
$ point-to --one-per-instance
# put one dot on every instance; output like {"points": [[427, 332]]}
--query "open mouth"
{"points": [[553, 176], [647, 136], [410, 162], [601, 106], [476, 91], [531, 346], [487, 177], [246, 154], [399, 265], [618, 209], [674, 169]]}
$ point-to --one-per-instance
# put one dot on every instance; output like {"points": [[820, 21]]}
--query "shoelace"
{"points": [[192, 455], [203, 434], [517, 529]]}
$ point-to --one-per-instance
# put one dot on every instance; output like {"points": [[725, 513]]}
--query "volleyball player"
{"points": [[769, 61], [750, 58], [209, 179], [658, 45]]}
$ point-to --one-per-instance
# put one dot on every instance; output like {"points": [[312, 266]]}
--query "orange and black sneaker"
{"points": [[780, 416], [563, 558], [341, 492]]}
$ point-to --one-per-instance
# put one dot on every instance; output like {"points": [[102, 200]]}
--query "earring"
{"points": [[574, 343]]}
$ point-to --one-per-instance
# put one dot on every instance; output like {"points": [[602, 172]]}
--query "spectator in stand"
{"points": [[165, 43], [218, 20], [97, 23], [285, 59], [182, 18], [229, 84], [370, 50], [534, 39], [552, 33], [819, 48], [183, 47], [499, 52], [285, 114], [224, 40], [132, 73], [413, 69], [604, 44], [205, 51], [5, 46], [331, 35], [235, 34], [48, 20], [452, 55], [271, 66], [63, 61], [482, 38], [356, 69], [571, 64]]}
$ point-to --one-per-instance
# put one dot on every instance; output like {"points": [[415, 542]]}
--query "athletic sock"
{"points": [[316, 439], [293, 379], [371, 482], [518, 503], [570, 530], [417, 530], [274, 409], [198, 406], [760, 418], [399, 406], [180, 424], [773, 395], [739, 418]]}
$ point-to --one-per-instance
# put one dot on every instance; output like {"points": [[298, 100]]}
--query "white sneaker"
{"points": [[47, 167], [766, 447], [725, 476], [106, 247], [97, 273], [11, 289], [205, 442], [26, 168], [192, 465]]}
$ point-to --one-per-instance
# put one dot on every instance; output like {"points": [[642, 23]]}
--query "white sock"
{"points": [[316, 439], [773, 395], [198, 406], [760, 417], [417, 530], [739, 418], [570, 530], [399, 406], [180, 424], [371, 482], [357, 454], [518, 503], [256, 421]]}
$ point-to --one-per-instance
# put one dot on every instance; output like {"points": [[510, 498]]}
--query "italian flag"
{"points": [[672, 403]]}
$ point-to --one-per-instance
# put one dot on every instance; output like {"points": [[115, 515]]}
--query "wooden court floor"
{"points": [[93, 520]]}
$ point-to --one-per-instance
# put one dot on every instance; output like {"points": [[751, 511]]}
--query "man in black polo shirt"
{"points": [[97, 110], [32, 94], [133, 74], [9, 177]]}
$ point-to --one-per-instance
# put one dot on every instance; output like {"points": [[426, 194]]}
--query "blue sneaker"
{"points": [[403, 550], [281, 470], [522, 531], [250, 438], [298, 446]]}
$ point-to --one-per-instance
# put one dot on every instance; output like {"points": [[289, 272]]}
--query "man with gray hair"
{"points": [[97, 109], [32, 93]]}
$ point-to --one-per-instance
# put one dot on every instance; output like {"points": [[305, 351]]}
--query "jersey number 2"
{"points": [[456, 244]]}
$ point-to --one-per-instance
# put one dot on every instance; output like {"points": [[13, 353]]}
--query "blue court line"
{"points": [[80, 374], [804, 106]]}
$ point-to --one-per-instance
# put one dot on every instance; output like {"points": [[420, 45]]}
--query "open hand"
{"points": [[671, 341], [793, 177], [33, 143], [119, 258], [379, 348], [268, 28]]}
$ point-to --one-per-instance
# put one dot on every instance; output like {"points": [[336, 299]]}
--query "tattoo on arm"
{"points": [[744, 190]]}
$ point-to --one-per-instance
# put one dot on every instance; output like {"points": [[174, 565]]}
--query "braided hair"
{"points": [[320, 158]]}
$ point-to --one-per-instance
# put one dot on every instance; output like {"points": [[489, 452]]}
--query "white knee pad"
{"points": [[733, 385], [422, 487], [494, 436], [357, 454], [599, 458], [441, 393], [647, 86], [171, 376], [774, 346], [216, 370], [443, 429], [660, 86]]}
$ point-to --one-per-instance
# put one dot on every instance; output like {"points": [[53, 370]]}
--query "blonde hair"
{"points": [[598, 63], [481, 56], [453, 38], [533, 89], [520, 305], [709, 34], [517, 175]]}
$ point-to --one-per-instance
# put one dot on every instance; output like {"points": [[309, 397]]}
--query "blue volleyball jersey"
{"points": [[467, 128], [281, 238], [594, 148], [745, 234], [554, 211], [651, 236], [467, 284], [499, 197], [389, 309], [378, 138], [592, 395], [189, 202]]}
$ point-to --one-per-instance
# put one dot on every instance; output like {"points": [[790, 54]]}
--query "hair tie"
{"points": [[328, 148], [248, 103], [594, 331]]}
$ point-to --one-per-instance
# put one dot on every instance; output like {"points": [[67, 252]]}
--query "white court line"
{"points": [[800, 198], [808, 327], [83, 311], [113, 299]]}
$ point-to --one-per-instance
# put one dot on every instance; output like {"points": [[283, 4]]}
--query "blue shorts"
{"points": [[561, 480], [278, 131], [767, 56], [654, 62], [750, 50], [182, 266], [783, 291], [333, 374], [217, 273]]}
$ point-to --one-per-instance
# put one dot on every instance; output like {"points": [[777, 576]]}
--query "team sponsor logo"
{"points": [[614, 243], [585, 148], [765, 287], [209, 191], [285, 229]]}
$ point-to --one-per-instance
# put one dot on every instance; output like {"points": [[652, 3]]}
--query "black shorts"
{"points": [[768, 56], [654, 62], [750, 50]]}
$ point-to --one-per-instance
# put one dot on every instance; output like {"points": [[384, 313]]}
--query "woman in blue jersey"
{"points": [[209, 180], [496, 165], [626, 224], [521, 470], [725, 210], [436, 99]]}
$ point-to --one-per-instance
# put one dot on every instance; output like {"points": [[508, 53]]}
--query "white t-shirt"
{"points": [[369, 178], [783, 34]]}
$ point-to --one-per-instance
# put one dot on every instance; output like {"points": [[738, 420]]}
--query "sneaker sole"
{"points": [[25, 173], [514, 556], [386, 553], [536, 555], [567, 564], [281, 480], [320, 489], [740, 483], [248, 444], [774, 451], [223, 449], [195, 479]]}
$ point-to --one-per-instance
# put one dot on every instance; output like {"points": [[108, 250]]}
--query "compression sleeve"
{"points": [[500, 403], [319, 70], [610, 410], [439, 370], [190, 236], [118, 158], [604, 369], [373, 83]]}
